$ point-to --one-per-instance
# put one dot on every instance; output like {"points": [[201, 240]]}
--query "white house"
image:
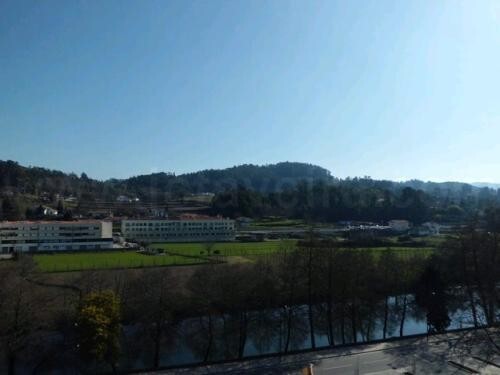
{"points": [[399, 225], [244, 221], [432, 228], [48, 211], [159, 212]]}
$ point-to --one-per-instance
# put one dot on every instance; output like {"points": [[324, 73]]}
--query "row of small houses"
{"points": [[395, 227], [425, 229]]}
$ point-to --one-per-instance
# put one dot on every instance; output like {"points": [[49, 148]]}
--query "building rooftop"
{"points": [[182, 217], [56, 222]]}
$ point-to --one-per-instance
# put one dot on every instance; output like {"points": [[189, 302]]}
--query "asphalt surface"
{"points": [[459, 353]]}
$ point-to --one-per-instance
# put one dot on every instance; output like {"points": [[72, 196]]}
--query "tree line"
{"points": [[347, 201]]}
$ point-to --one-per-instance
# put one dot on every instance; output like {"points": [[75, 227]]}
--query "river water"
{"points": [[195, 340]]}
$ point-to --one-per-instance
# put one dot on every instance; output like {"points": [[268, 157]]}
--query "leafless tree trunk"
{"points": [[386, 316], [403, 316], [242, 334], [352, 310], [310, 296], [329, 294], [467, 284], [210, 338], [342, 324]]}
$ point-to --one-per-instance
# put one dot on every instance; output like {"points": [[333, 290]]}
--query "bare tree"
{"points": [[22, 311], [387, 266]]}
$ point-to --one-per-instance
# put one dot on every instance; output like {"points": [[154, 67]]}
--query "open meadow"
{"points": [[226, 248], [109, 260], [178, 254]]}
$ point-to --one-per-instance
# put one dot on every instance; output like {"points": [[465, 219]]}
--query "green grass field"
{"points": [[187, 253], [254, 249], [399, 251], [226, 248], [108, 259], [278, 223], [177, 254]]}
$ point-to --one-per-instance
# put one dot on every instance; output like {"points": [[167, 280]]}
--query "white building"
{"points": [[158, 212], [49, 211], [244, 221], [399, 225], [431, 228], [23, 236], [183, 230]]}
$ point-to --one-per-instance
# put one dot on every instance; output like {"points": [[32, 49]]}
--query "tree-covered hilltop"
{"points": [[15, 178], [288, 189], [24, 188], [265, 178]]}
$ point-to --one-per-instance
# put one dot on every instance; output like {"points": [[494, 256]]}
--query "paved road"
{"points": [[389, 361], [463, 353]]}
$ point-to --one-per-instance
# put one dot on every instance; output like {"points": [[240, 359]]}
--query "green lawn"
{"points": [[399, 251], [108, 259], [183, 254], [278, 223], [252, 249], [177, 254], [226, 248]]}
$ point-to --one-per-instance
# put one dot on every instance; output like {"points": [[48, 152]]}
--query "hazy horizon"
{"points": [[387, 89]]}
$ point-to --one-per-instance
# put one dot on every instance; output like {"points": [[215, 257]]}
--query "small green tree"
{"points": [[98, 325], [209, 246]]}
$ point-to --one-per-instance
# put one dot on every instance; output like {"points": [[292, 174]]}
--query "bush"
{"points": [[404, 238]]}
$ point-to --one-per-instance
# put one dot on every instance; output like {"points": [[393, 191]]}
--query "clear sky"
{"points": [[388, 89]]}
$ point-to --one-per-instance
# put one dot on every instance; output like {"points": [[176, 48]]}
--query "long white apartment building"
{"points": [[182, 230], [29, 236]]}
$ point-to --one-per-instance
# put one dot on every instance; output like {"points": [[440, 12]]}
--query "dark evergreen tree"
{"points": [[430, 294]]}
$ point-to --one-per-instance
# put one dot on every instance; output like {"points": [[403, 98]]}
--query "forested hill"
{"points": [[266, 178], [263, 179], [284, 189], [15, 178]]}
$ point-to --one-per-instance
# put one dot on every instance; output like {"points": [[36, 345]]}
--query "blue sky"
{"points": [[388, 89]]}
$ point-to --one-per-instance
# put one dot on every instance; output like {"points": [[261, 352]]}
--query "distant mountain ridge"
{"points": [[490, 185]]}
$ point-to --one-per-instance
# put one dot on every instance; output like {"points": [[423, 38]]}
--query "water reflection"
{"points": [[224, 337], [236, 335]]}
